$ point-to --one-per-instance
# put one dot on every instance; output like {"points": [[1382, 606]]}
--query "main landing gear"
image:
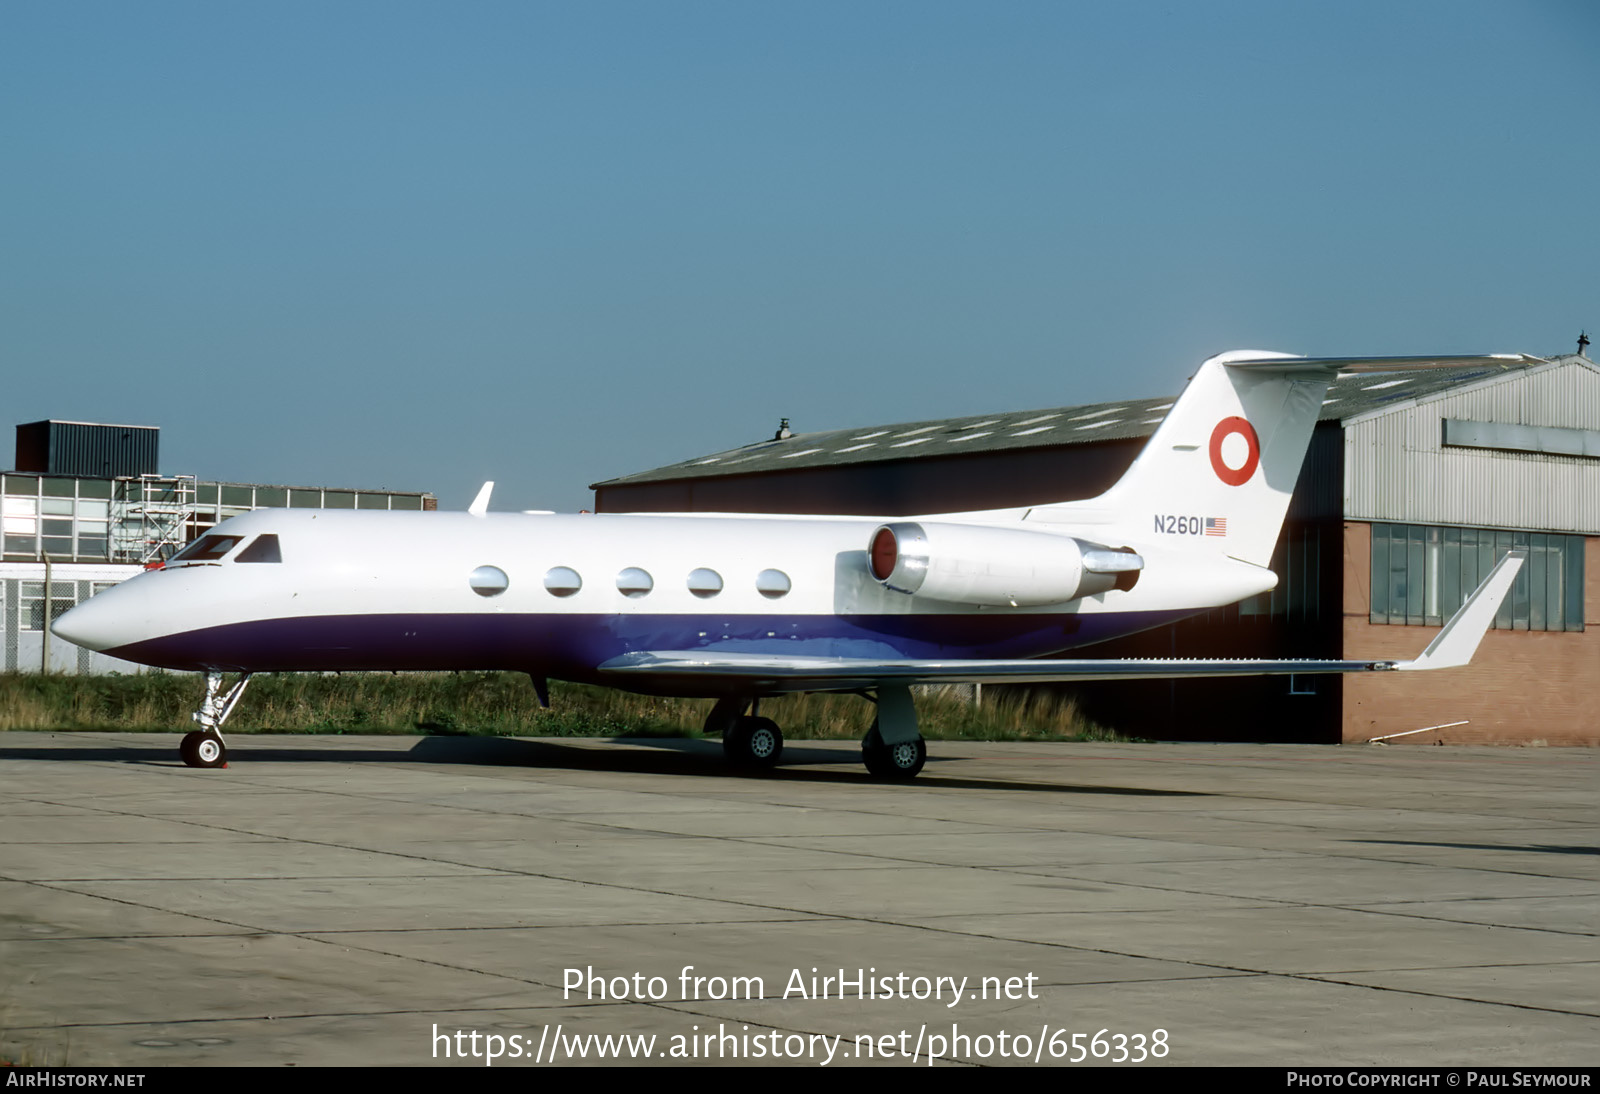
{"points": [[747, 740], [204, 747], [892, 749]]}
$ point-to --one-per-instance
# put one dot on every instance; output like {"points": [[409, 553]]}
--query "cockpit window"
{"points": [[264, 549], [207, 549]]}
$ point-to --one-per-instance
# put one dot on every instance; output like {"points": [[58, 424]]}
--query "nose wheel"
{"points": [[203, 749]]}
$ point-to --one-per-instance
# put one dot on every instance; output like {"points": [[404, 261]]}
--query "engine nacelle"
{"points": [[968, 564]]}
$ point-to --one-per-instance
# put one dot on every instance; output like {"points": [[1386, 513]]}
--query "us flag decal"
{"points": [[1216, 526]]}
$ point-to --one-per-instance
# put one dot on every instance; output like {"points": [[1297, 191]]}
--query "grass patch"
{"points": [[495, 703]]}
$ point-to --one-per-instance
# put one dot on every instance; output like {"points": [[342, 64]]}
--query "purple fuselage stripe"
{"points": [[570, 646]]}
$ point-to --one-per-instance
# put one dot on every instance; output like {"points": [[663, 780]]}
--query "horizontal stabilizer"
{"points": [[1378, 364]]}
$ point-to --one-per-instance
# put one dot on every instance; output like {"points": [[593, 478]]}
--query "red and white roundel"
{"points": [[1240, 474]]}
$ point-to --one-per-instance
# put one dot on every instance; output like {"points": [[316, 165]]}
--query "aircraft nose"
{"points": [[96, 624]]}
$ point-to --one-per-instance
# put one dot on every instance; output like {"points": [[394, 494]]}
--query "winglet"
{"points": [[480, 504], [1458, 641]]}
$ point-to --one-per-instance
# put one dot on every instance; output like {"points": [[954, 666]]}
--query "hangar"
{"points": [[1412, 487], [86, 508]]}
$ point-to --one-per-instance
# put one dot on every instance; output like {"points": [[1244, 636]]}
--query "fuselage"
{"points": [[559, 595]]}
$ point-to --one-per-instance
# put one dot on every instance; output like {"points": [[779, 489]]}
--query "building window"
{"points": [[1297, 560], [63, 597], [61, 527], [21, 520], [1422, 574]]}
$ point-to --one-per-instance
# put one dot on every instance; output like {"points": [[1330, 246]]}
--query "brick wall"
{"points": [[1523, 687]]}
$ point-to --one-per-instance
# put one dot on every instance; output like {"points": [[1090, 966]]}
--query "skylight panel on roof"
{"points": [[908, 444], [1163, 406], [1035, 429], [1095, 414], [865, 436], [1387, 383], [1035, 421], [971, 436], [914, 432], [1097, 425], [858, 447], [802, 452], [713, 459]]}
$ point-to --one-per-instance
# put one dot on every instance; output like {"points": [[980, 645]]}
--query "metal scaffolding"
{"points": [[150, 516]]}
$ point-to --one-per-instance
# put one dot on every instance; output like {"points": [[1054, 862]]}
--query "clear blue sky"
{"points": [[419, 245]]}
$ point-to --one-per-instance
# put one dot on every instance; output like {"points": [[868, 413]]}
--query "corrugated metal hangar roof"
{"points": [[1349, 397]]}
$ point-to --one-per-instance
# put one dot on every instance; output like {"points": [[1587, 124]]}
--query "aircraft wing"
{"points": [[774, 673], [771, 673]]}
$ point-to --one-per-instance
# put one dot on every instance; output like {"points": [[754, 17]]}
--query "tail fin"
{"points": [[1223, 463], [1228, 453]]}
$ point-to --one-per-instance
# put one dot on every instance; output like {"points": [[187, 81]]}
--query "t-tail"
{"points": [[1223, 464]]}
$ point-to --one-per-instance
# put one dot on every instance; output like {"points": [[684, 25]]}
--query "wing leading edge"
{"points": [[771, 673]]}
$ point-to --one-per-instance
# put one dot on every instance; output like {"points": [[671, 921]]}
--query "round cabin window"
{"points": [[634, 582], [562, 581], [488, 581]]}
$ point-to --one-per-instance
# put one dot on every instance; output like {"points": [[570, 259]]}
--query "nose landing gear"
{"points": [[205, 747]]}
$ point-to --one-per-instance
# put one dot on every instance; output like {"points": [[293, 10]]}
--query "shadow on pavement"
{"points": [[643, 755]]}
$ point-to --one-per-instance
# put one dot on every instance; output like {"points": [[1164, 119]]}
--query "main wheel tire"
{"points": [[873, 752], [204, 750], [896, 761], [753, 742], [905, 760]]}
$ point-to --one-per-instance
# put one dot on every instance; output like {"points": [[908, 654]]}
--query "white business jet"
{"points": [[740, 607]]}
